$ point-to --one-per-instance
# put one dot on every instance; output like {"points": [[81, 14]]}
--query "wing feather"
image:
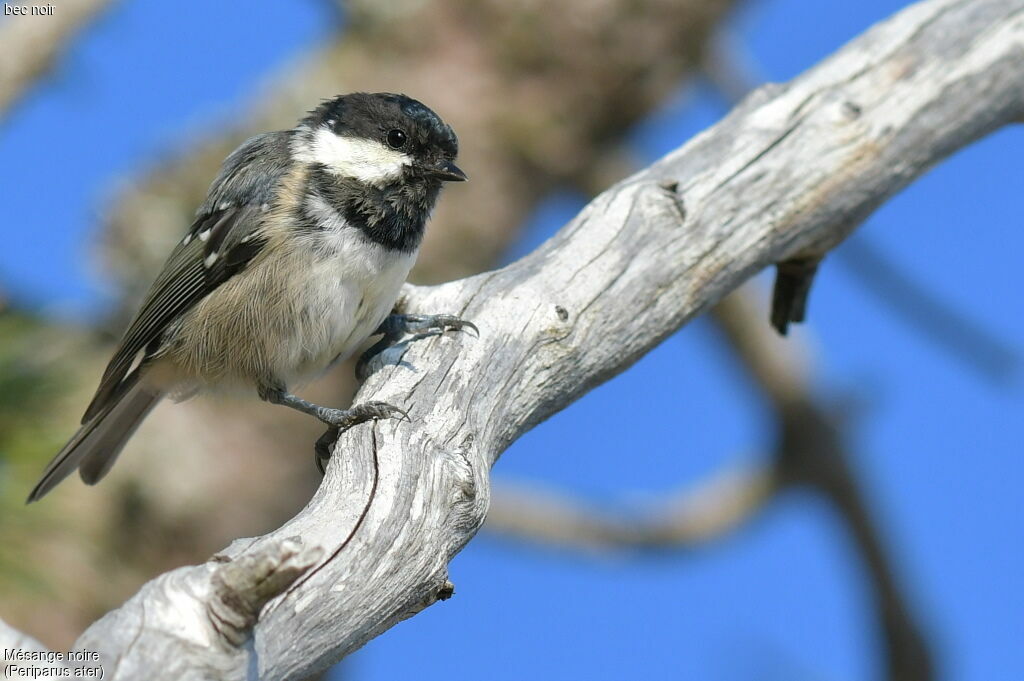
{"points": [[223, 239]]}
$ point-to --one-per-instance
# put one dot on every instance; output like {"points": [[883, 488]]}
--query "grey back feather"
{"points": [[222, 240]]}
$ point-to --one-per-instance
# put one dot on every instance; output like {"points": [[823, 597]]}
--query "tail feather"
{"points": [[94, 448]]}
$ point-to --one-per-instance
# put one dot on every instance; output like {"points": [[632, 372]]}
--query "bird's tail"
{"points": [[94, 448]]}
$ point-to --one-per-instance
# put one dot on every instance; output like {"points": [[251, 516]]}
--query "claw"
{"points": [[415, 323], [397, 325], [378, 410], [462, 325], [343, 419], [322, 448]]}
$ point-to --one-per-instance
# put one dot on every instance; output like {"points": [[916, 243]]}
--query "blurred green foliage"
{"points": [[31, 380]]}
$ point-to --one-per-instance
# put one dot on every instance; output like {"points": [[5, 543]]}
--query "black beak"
{"points": [[446, 171]]}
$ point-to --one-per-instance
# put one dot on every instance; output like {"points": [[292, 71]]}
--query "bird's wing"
{"points": [[224, 238]]}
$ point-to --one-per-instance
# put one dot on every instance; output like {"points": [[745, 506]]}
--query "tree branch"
{"points": [[32, 43], [683, 521], [938, 321], [794, 166]]}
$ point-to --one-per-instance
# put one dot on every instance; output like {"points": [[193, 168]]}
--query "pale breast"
{"points": [[352, 285], [310, 298]]}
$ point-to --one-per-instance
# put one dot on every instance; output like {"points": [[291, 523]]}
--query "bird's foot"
{"points": [[398, 325], [322, 448], [341, 420]]}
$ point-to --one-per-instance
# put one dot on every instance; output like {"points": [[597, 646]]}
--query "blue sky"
{"points": [[938, 448]]}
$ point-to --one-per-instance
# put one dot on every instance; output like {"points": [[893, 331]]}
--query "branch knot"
{"points": [[244, 585]]}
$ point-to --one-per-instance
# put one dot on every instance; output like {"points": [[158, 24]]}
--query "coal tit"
{"points": [[296, 257]]}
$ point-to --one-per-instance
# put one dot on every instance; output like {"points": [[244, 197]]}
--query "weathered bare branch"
{"points": [[32, 43], [942, 323], [794, 166], [13, 639]]}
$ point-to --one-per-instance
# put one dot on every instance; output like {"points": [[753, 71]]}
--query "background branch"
{"points": [[31, 44], [812, 452], [682, 521]]}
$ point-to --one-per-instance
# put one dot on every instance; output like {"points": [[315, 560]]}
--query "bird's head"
{"points": [[380, 139]]}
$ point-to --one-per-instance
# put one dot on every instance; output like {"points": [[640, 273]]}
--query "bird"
{"points": [[295, 258]]}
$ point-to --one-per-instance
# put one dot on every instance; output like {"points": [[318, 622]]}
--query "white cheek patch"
{"points": [[365, 160]]}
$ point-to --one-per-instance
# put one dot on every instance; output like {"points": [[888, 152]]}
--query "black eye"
{"points": [[396, 139]]}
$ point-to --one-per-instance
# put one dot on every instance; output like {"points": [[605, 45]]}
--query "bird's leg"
{"points": [[398, 325], [342, 419], [338, 419]]}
